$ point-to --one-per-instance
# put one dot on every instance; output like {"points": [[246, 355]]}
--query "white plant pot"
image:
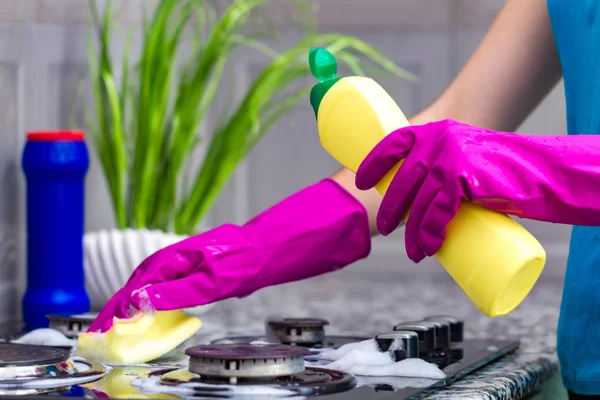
{"points": [[111, 256]]}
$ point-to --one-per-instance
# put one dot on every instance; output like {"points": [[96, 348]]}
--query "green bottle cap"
{"points": [[323, 67]]}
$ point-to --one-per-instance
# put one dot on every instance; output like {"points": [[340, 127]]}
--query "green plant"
{"points": [[146, 126]]}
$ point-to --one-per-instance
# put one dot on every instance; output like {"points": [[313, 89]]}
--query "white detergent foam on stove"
{"points": [[8, 372], [365, 359], [45, 337], [260, 343], [152, 385]]}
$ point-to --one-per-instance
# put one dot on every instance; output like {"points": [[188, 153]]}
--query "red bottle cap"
{"points": [[55, 136]]}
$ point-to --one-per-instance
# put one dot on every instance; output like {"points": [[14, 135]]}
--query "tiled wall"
{"points": [[42, 57]]}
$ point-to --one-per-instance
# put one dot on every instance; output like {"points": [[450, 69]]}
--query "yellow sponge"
{"points": [[142, 338]]}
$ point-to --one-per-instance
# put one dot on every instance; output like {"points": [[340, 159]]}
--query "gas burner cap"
{"points": [[71, 325], [298, 330], [12, 354], [246, 361]]}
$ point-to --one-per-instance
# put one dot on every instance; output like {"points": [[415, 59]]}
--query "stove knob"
{"points": [[442, 334], [424, 330], [409, 344], [456, 326]]}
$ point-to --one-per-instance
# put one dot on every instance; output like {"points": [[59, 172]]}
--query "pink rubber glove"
{"points": [[317, 230], [546, 178]]}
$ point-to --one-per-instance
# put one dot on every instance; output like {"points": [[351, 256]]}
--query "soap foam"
{"points": [[369, 346], [144, 301], [361, 357], [260, 343], [8, 372], [365, 359], [193, 389], [45, 337], [409, 368]]}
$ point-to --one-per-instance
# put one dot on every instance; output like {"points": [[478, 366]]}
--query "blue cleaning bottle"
{"points": [[55, 164]]}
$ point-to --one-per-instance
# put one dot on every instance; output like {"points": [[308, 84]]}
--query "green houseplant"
{"points": [[146, 125]]}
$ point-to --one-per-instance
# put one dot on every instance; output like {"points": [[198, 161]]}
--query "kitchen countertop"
{"points": [[356, 302]]}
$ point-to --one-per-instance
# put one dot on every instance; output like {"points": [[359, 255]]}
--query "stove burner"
{"points": [[246, 361], [71, 325], [12, 354], [311, 381], [301, 331], [27, 369]]}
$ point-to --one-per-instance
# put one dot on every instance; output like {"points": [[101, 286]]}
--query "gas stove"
{"points": [[283, 361]]}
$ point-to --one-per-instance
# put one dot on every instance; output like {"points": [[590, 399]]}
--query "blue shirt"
{"points": [[576, 27]]}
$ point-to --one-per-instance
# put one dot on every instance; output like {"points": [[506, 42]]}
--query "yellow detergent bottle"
{"points": [[494, 260]]}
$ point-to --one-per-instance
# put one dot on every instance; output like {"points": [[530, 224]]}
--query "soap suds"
{"points": [[8, 372], [144, 300], [45, 337], [260, 343], [152, 385], [361, 357], [365, 359], [409, 368], [335, 354]]}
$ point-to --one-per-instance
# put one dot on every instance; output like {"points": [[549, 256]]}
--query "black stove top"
{"points": [[284, 361]]}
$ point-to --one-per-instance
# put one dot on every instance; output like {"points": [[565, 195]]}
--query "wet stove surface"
{"points": [[229, 366]]}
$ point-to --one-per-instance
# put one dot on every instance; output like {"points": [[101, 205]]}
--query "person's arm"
{"points": [[514, 68]]}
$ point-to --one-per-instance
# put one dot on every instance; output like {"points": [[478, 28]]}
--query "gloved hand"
{"points": [[317, 230], [546, 178]]}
